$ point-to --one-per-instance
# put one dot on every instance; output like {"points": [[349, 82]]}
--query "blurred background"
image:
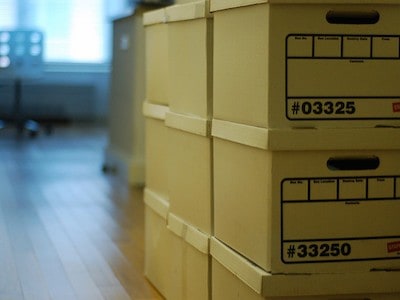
{"points": [[74, 84], [71, 229]]}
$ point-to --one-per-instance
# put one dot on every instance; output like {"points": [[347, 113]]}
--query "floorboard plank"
{"points": [[9, 281], [81, 281], [68, 231]]}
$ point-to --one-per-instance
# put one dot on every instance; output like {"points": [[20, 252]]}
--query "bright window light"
{"points": [[76, 31]]}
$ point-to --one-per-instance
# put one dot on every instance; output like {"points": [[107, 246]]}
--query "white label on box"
{"points": [[341, 219], [342, 77]]}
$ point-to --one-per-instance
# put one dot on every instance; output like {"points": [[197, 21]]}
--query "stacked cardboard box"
{"points": [[124, 154], [306, 149], [184, 1], [294, 50], [158, 238], [190, 147], [179, 142], [156, 58], [236, 277], [294, 190]]}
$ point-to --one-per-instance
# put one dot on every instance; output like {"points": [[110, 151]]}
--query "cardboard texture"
{"points": [[157, 241], [192, 10], [155, 111], [190, 266], [176, 260], [228, 4], [317, 139], [190, 124], [235, 277], [153, 17], [190, 58], [225, 285], [280, 64], [156, 149], [125, 149], [184, 1], [190, 170], [157, 65], [307, 211]]}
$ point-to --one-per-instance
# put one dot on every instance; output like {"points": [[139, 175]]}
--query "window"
{"points": [[75, 31], [8, 14]]}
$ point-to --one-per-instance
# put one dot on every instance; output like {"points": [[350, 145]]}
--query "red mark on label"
{"points": [[396, 107], [393, 247]]}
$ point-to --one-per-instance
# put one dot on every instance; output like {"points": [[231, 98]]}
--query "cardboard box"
{"points": [[184, 1], [307, 63], [308, 200], [190, 170], [177, 258], [190, 58], [235, 277], [124, 154], [157, 64], [190, 262], [157, 241], [156, 148]]}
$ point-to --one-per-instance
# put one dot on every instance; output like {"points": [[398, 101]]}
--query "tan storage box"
{"points": [[184, 1], [190, 170], [157, 241], [308, 200], [190, 58], [156, 148], [307, 63], [235, 277], [157, 77], [190, 262], [124, 153]]}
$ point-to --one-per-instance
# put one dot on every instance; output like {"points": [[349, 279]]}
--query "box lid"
{"points": [[278, 285], [157, 203], [154, 17], [188, 11], [190, 124], [190, 234], [155, 111], [385, 138], [216, 5], [245, 270]]}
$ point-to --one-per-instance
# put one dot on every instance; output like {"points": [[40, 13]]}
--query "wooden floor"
{"points": [[67, 231]]}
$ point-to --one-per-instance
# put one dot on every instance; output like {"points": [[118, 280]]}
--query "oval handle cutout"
{"points": [[352, 17], [353, 163]]}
